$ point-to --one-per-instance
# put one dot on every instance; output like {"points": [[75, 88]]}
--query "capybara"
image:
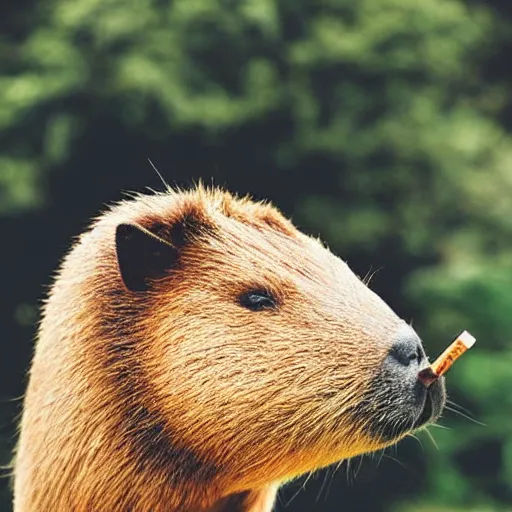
{"points": [[196, 351]]}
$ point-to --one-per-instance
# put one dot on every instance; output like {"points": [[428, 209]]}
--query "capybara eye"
{"points": [[257, 300]]}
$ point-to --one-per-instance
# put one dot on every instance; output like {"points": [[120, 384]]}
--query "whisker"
{"points": [[459, 407], [279, 498], [382, 453], [448, 408], [438, 425], [396, 460], [431, 437], [348, 470], [359, 466], [166, 185], [13, 399], [297, 492], [333, 475], [364, 279], [326, 473], [418, 440], [369, 275]]}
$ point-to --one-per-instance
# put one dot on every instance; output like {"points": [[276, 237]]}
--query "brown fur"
{"points": [[178, 399]]}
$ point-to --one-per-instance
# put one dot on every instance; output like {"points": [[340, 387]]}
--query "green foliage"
{"points": [[386, 105]]}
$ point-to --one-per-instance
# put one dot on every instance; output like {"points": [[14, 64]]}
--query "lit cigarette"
{"points": [[445, 361]]}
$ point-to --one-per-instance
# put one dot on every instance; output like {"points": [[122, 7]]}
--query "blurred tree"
{"points": [[381, 124]]}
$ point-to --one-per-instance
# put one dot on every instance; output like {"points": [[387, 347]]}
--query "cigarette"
{"points": [[444, 362]]}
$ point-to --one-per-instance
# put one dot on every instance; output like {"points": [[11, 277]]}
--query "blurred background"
{"points": [[384, 126]]}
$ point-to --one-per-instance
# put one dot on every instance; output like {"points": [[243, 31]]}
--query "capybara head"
{"points": [[219, 339]]}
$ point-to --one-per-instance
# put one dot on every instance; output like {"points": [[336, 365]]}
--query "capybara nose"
{"points": [[407, 349]]}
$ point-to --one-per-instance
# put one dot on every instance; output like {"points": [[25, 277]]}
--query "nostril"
{"points": [[407, 349]]}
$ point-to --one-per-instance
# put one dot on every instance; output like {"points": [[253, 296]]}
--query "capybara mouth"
{"points": [[434, 403], [426, 413], [401, 413]]}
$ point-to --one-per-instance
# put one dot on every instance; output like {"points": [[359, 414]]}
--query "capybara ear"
{"points": [[142, 256]]}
